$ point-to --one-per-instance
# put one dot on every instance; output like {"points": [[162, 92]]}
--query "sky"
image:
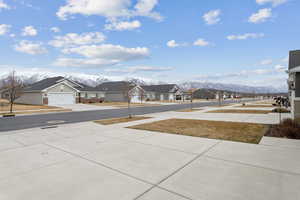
{"points": [[221, 41]]}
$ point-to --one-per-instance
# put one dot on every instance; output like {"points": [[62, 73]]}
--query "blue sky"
{"points": [[226, 41]]}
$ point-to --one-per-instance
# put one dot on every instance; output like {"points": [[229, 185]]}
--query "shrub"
{"points": [[280, 110], [288, 128]]}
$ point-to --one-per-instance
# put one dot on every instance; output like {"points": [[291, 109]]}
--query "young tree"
{"points": [[13, 86], [191, 93], [127, 92]]}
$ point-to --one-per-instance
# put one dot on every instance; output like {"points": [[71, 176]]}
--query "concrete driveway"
{"points": [[90, 161], [85, 107]]}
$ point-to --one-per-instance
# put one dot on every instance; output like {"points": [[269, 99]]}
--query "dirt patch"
{"points": [[240, 111], [233, 131], [119, 120]]}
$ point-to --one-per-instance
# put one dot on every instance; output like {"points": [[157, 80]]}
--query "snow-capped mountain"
{"points": [[93, 80], [232, 87]]}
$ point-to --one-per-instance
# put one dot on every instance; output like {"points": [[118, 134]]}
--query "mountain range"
{"points": [[93, 80]]}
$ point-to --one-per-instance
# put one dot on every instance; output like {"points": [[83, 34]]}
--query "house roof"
{"points": [[114, 86], [48, 82], [43, 84], [165, 88]]}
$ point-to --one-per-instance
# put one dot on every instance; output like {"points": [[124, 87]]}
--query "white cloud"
{"points": [[280, 68], [245, 36], [29, 47], [172, 44], [123, 25], [212, 17], [82, 62], [273, 2], [110, 52], [29, 31], [3, 5], [201, 42], [145, 7], [73, 39], [4, 29], [244, 73], [101, 55], [111, 9], [55, 29], [261, 16], [135, 69], [266, 62]]}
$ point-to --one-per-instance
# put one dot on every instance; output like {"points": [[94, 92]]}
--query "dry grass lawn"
{"points": [[256, 106], [240, 111], [3, 101], [222, 105], [119, 120], [23, 107], [123, 104], [189, 110], [265, 102], [233, 131], [38, 111]]}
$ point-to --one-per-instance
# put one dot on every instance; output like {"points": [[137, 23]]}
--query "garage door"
{"points": [[61, 98]]}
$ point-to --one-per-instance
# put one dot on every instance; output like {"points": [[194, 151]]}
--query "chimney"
{"points": [[294, 60]]}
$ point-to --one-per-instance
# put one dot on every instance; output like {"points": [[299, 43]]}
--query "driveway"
{"points": [[85, 107], [90, 161]]}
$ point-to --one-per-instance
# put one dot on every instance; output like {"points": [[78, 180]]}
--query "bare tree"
{"points": [[127, 93], [191, 93], [13, 87]]}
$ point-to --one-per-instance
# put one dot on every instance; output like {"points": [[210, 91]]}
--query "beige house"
{"points": [[59, 91]]}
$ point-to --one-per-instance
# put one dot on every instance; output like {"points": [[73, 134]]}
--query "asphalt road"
{"points": [[42, 120]]}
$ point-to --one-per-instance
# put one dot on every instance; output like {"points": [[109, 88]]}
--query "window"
{"points": [[62, 87]]}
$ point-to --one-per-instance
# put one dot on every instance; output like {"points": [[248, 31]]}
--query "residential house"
{"points": [[119, 91], [164, 92], [294, 83], [59, 91]]}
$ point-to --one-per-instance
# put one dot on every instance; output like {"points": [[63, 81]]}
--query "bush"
{"points": [[288, 128], [280, 110]]}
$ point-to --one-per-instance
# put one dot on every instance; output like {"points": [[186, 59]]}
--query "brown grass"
{"points": [[39, 111], [222, 105], [4, 101], [123, 104], [233, 131], [23, 107], [240, 111], [256, 106], [264, 102], [119, 120], [189, 110]]}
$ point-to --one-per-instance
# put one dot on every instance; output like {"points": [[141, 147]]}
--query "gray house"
{"points": [[118, 91], [294, 83], [164, 92], [59, 91]]}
